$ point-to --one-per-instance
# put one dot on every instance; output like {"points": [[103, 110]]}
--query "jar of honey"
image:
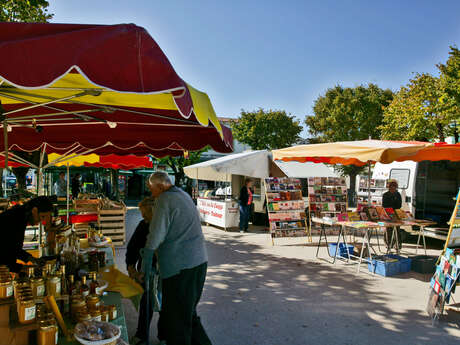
{"points": [[26, 310], [53, 286], [93, 302], [38, 287], [104, 314], [77, 307], [6, 288], [112, 312], [85, 316], [47, 333], [96, 315]]}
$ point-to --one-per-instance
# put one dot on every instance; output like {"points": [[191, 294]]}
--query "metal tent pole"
{"points": [[67, 194]]}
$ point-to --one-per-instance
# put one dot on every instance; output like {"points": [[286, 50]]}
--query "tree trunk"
{"points": [[440, 128], [352, 191]]}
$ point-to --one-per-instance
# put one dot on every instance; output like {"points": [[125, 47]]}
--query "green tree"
{"points": [[266, 130], [24, 11], [345, 114], [419, 111], [177, 165]]}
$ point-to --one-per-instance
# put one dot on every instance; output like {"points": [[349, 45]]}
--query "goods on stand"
{"points": [[286, 208], [88, 332]]}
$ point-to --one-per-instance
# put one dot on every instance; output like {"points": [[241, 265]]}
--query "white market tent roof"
{"points": [[305, 170], [253, 164]]}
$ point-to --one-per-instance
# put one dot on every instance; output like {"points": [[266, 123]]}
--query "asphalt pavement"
{"points": [[256, 293]]}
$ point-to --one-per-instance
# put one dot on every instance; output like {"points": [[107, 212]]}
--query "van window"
{"points": [[402, 176]]}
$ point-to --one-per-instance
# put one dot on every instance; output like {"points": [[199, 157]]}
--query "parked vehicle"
{"points": [[427, 188]]}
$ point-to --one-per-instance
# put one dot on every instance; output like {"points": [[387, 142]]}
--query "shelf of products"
{"points": [[286, 208], [327, 196]]}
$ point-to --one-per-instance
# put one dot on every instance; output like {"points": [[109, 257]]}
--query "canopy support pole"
{"points": [[369, 184], [67, 194]]}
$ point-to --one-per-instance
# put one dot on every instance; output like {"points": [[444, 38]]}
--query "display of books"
{"points": [[353, 216], [327, 196], [401, 214], [392, 214], [382, 213], [373, 214], [286, 208]]}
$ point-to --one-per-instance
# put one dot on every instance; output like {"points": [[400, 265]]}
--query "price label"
{"points": [[9, 291], [58, 288], [30, 313], [40, 290]]}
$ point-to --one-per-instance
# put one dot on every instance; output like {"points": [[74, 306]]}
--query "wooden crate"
{"points": [[86, 205], [113, 224]]}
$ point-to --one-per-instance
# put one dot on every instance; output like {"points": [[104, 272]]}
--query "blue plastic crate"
{"points": [[384, 268], [405, 264], [342, 249]]}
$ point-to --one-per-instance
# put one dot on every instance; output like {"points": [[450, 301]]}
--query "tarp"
{"points": [[305, 170], [107, 88], [352, 152], [127, 162], [252, 163]]}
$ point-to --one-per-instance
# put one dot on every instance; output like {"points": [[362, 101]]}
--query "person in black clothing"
{"points": [[13, 223], [134, 266], [76, 189], [392, 199], [245, 200]]}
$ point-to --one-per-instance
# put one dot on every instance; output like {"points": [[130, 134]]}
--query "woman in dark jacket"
{"points": [[134, 265], [245, 200]]}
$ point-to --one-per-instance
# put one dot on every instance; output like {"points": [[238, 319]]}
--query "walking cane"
{"points": [[147, 257]]}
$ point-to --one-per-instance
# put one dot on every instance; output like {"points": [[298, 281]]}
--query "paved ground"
{"points": [[259, 294]]}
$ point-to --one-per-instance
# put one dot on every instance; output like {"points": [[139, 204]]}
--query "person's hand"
{"points": [[131, 271]]}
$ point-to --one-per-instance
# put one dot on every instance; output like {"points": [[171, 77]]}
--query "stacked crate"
{"points": [[112, 223]]}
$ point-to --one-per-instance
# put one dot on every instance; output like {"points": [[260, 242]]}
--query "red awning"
{"points": [[106, 88]]}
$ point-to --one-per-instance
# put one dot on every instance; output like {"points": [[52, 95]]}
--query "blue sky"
{"points": [[284, 54]]}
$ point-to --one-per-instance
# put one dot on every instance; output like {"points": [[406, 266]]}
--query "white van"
{"points": [[427, 188]]}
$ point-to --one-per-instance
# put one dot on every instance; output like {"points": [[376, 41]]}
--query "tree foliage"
{"points": [[450, 76], [24, 11], [266, 130], [177, 165], [419, 111], [344, 114]]}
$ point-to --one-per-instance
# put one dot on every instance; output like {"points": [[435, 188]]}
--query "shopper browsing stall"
{"points": [[245, 199], [134, 266], [176, 234], [60, 186], [13, 223]]}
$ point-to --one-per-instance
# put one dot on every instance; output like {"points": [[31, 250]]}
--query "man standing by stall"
{"points": [[60, 186], [176, 234], [392, 199], [13, 223]]}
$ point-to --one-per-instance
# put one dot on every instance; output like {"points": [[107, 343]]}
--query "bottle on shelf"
{"points": [[94, 285], [84, 288], [64, 283], [71, 288]]}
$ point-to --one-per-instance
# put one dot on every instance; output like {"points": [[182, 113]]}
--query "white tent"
{"points": [[252, 163], [305, 170]]}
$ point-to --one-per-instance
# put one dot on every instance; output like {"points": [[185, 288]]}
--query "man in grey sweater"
{"points": [[176, 235]]}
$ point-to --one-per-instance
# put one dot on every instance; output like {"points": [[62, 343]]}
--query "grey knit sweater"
{"points": [[176, 234]]}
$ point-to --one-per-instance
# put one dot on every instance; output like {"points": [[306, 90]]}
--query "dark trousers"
{"points": [[181, 294], [245, 211], [143, 328]]}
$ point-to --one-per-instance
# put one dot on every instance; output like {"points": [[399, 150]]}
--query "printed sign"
{"points": [[220, 213]]}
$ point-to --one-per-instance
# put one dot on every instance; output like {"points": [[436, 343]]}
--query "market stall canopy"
{"points": [[127, 162], [252, 163], [99, 88], [353, 152], [305, 170]]}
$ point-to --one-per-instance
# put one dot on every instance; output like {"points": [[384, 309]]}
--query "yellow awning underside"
{"points": [[73, 83]]}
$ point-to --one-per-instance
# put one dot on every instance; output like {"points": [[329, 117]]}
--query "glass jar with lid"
{"points": [[6, 287], [26, 310], [38, 287], [47, 333], [53, 286]]}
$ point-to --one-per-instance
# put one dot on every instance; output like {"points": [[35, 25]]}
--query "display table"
{"points": [[109, 299], [369, 228], [224, 214]]}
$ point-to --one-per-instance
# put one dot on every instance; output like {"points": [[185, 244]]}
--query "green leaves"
{"points": [[24, 11], [343, 114], [421, 110], [272, 129]]}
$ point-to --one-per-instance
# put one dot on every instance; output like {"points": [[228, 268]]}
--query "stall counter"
{"points": [[221, 213]]}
